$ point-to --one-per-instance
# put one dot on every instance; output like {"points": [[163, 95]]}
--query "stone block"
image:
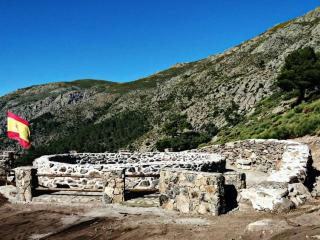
{"points": [[237, 179], [24, 179], [114, 187], [192, 192]]}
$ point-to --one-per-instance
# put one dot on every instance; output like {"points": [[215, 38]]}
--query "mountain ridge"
{"points": [[205, 91]]}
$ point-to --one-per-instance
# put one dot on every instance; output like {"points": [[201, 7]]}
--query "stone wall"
{"points": [[24, 183], [286, 162], [192, 192], [114, 187], [236, 179], [284, 188], [142, 162], [234, 182], [96, 164], [255, 154], [6, 161]]}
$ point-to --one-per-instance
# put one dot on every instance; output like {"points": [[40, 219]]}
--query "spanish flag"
{"points": [[18, 129]]}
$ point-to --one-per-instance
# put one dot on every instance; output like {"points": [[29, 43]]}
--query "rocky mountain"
{"points": [[133, 114]]}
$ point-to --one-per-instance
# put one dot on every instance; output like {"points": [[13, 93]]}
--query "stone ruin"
{"points": [[199, 192], [288, 168], [6, 162], [210, 180], [97, 164]]}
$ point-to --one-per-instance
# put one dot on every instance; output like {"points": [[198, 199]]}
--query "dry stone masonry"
{"points": [[114, 187], [286, 162], [6, 161], [24, 183], [284, 188], [258, 154], [235, 179], [200, 192], [192, 192], [97, 164]]}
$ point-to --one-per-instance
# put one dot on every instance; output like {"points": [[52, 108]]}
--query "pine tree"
{"points": [[301, 72]]}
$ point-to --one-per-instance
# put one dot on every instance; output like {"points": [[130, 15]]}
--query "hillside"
{"points": [[225, 90]]}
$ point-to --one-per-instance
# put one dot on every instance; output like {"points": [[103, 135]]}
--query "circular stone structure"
{"points": [[98, 164], [284, 164]]}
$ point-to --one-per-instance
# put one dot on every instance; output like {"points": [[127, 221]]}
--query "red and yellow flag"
{"points": [[18, 129]]}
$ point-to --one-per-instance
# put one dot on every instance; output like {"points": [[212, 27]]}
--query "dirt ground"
{"points": [[43, 221], [3, 200]]}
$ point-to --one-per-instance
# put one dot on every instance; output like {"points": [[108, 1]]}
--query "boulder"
{"points": [[266, 195]]}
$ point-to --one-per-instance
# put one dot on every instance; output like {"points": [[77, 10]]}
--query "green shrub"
{"points": [[185, 141], [308, 126], [176, 125], [211, 129], [298, 109], [231, 114]]}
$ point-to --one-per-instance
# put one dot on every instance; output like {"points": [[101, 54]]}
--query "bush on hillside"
{"points": [[185, 141], [231, 114], [181, 135], [211, 129], [176, 125]]}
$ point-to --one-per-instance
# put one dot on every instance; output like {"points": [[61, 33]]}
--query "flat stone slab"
{"points": [[63, 197], [268, 225], [147, 201]]}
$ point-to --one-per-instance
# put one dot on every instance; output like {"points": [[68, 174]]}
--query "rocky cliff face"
{"points": [[235, 80]]}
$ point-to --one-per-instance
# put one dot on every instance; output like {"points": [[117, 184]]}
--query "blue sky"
{"points": [[45, 41]]}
